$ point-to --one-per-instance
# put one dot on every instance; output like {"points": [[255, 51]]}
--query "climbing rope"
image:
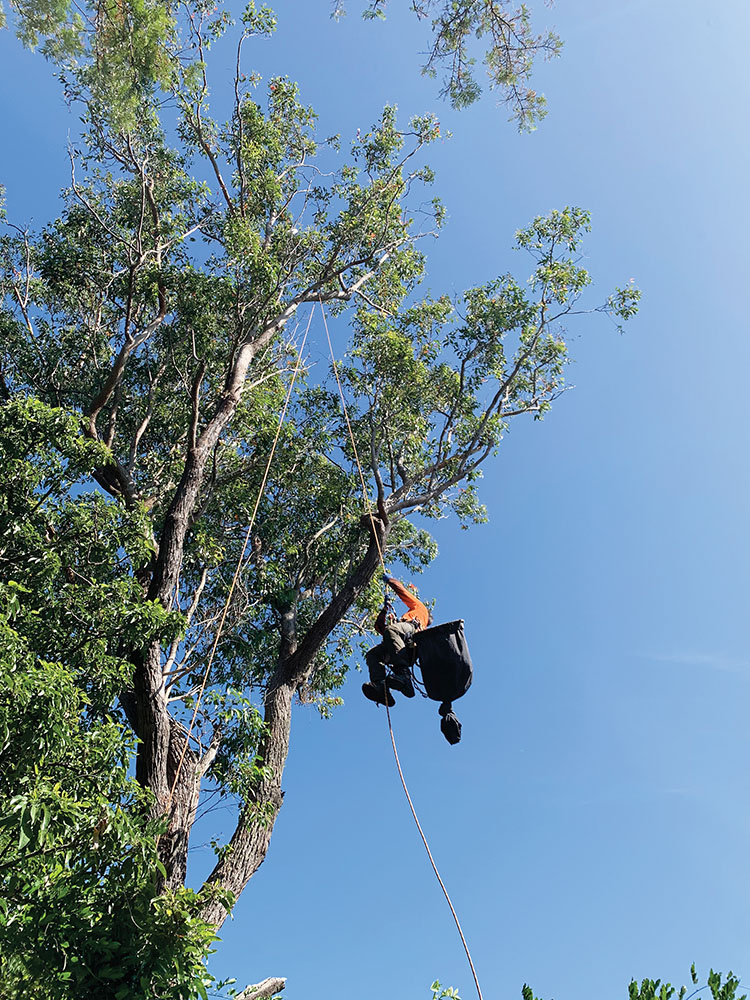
{"points": [[429, 854], [240, 563], [365, 494], [387, 709]]}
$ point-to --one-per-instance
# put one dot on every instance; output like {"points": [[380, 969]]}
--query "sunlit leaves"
{"points": [[498, 30], [720, 987]]}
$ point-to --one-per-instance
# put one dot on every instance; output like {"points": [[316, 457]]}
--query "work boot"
{"points": [[401, 683], [378, 693]]}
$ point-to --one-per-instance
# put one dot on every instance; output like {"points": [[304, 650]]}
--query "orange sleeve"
{"points": [[417, 610]]}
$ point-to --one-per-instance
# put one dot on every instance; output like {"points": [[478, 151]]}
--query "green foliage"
{"points": [[157, 278], [444, 992], [502, 29], [74, 554], [80, 912], [719, 987], [117, 53], [120, 53]]}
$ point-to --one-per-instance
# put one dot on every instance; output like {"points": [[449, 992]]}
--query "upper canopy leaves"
{"points": [[502, 30], [120, 54]]}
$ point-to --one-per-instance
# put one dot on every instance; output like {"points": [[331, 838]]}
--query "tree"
{"points": [[150, 336]]}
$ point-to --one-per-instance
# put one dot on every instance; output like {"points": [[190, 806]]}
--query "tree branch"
{"points": [[262, 991]]}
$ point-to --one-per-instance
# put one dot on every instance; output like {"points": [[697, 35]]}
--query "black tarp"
{"points": [[447, 672]]}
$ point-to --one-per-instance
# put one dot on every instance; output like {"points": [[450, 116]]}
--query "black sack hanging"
{"points": [[450, 726], [447, 671]]}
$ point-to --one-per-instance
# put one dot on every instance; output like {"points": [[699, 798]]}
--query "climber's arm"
{"points": [[413, 603]]}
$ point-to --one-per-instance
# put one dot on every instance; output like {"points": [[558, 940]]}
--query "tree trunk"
{"points": [[166, 766], [151, 723], [173, 846], [249, 844], [161, 748]]}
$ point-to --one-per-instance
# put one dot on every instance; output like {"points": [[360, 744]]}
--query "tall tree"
{"points": [[154, 329]]}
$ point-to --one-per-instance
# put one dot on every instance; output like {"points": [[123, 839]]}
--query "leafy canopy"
{"points": [[115, 52], [460, 28]]}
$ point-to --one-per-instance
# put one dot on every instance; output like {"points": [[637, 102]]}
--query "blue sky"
{"points": [[593, 824]]}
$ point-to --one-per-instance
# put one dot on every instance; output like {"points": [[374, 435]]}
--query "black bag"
{"points": [[447, 671]]}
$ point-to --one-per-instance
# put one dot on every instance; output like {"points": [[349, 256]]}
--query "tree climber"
{"points": [[397, 648]]}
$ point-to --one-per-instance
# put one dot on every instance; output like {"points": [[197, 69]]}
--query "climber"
{"points": [[397, 648]]}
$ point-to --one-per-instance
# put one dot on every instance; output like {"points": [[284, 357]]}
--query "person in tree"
{"points": [[396, 649]]}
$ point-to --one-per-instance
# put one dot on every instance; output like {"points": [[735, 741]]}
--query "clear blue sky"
{"points": [[593, 825]]}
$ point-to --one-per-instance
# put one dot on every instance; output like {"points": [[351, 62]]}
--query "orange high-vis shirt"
{"points": [[417, 611]]}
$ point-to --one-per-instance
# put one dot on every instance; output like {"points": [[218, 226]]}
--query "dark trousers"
{"points": [[392, 650]]}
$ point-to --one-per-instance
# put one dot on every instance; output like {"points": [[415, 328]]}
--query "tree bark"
{"points": [[178, 795], [261, 991], [249, 844], [151, 724], [177, 520], [185, 794]]}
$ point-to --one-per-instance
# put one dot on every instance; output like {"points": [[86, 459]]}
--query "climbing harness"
{"points": [[422, 632]]}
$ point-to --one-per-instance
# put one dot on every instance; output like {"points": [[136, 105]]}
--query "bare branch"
{"points": [[262, 991]]}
